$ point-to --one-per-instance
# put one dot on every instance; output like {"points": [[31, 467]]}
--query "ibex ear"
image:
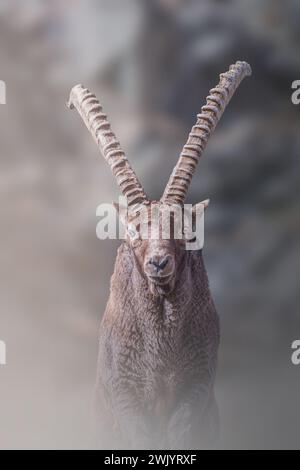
{"points": [[201, 205], [198, 210], [194, 233]]}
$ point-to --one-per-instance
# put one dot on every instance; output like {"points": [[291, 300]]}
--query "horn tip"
{"points": [[246, 67], [73, 91], [79, 85]]}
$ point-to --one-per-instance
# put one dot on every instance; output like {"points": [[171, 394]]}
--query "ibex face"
{"points": [[156, 253], [157, 233]]}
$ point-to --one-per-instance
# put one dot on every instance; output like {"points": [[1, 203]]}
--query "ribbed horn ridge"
{"points": [[96, 121], [180, 179]]}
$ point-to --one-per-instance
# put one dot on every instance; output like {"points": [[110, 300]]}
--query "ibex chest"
{"points": [[161, 337]]}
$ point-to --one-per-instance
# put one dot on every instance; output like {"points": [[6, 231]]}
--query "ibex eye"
{"points": [[132, 232]]}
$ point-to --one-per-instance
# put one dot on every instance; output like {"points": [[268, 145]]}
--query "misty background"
{"points": [[151, 63]]}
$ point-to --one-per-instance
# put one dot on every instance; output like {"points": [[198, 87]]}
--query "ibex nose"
{"points": [[159, 266]]}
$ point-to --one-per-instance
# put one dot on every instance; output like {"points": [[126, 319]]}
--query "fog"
{"points": [[151, 63]]}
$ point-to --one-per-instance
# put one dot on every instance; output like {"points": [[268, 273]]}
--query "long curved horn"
{"points": [[96, 121], [181, 177]]}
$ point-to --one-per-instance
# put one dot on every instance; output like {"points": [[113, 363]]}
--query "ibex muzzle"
{"points": [[159, 335], [160, 261], [159, 266]]}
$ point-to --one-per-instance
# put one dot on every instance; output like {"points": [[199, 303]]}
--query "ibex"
{"points": [[159, 335]]}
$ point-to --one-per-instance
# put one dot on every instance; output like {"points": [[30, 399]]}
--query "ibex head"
{"points": [[158, 234], [158, 257]]}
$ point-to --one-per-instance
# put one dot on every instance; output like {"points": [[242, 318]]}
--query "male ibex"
{"points": [[159, 334]]}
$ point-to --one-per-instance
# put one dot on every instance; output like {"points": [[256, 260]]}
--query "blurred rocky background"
{"points": [[151, 62]]}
